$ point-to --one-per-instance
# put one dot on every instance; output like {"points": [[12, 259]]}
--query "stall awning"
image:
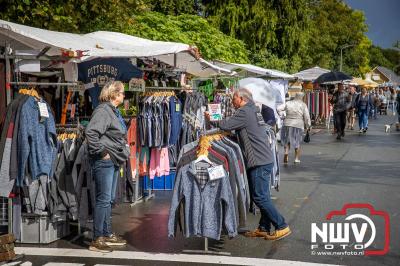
{"points": [[107, 44], [311, 74], [255, 70]]}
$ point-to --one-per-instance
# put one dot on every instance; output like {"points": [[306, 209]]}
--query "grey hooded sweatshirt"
{"points": [[105, 135]]}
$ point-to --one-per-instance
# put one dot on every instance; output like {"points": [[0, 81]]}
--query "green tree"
{"points": [[378, 58], [189, 29], [272, 30], [334, 25], [77, 16], [175, 7]]}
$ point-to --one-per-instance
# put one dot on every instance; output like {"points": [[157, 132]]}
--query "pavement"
{"points": [[358, 169]]}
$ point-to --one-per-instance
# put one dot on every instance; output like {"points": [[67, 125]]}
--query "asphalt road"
{"points": [[358, 169]]}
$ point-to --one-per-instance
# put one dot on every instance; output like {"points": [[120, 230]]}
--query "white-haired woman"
{"points": [[297, 118], [108, 149]]}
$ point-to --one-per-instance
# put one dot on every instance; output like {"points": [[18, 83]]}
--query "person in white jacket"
{"points": [[297, 118]]}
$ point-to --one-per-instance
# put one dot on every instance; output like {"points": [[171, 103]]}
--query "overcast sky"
{"points": [[383, 20]]}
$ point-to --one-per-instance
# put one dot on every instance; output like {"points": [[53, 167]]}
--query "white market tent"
{"points": [[106, 44], [311, 74], [255, 70]]}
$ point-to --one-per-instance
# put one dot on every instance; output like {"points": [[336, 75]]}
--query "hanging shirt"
{"points": [[96, 73]]}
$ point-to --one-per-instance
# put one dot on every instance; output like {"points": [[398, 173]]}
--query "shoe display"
{"points": [[257, 233], [7, 256], [6, 239], [279, 234], [6, 247], [114, 240], [99, 245]]}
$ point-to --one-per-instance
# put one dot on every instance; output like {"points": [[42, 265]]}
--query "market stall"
{"points": [[64, 73]]}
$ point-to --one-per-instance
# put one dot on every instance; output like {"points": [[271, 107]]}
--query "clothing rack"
{"points": [[18, 83], [164, 88], [206, 246]]}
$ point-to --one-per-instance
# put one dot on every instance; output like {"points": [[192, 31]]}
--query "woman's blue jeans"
{"points": [[363, 119], [105, 174], [259, 184]]}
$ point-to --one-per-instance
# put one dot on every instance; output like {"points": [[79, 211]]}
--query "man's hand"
{"points": [[107, 157]]}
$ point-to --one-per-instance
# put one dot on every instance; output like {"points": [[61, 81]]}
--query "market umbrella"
{"points": [[262, 91], [333, 76]]}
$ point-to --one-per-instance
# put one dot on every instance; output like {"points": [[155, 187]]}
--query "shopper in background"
{"points": [[297, 119], [351, 114], [108, 149], [375, 104], [383, 102], [259, 161], [341, 102], [398, 111], [363, 105]]}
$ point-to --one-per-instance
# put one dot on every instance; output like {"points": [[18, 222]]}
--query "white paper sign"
{"points": [[137, 85], [216, 172], [215, 111], [43, 110]]}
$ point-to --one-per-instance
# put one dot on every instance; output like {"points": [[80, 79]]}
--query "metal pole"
{"points": [[8, 75], [341, 58]]}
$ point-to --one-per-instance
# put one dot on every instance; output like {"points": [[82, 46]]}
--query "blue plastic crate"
{"points": [[165, 182]]}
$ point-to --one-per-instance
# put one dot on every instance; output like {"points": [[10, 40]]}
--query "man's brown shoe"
{"points": [[256, 233], [114, 240], [279, 234], [99, 245]]}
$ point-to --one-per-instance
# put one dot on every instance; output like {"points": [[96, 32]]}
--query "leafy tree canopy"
{"points": [[282, 34]]}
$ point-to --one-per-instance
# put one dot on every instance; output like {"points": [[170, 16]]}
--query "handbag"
{"points": [[307, 137]]}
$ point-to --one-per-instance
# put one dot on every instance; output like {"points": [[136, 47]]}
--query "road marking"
{"points": [[28, 263], [147, 256]]}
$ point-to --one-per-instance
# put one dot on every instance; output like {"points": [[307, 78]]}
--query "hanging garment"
{"points": [[159, 163], [132, 142], [207, 204], [36, 139], [7, 150], [144, 160], [235, 169]]}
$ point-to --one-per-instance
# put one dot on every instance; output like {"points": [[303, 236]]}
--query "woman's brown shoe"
{"points": [[286, 158]]}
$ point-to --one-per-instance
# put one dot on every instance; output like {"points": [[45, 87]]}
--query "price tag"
{"points": [[43, 110], [216, 172], [177, 107]]}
